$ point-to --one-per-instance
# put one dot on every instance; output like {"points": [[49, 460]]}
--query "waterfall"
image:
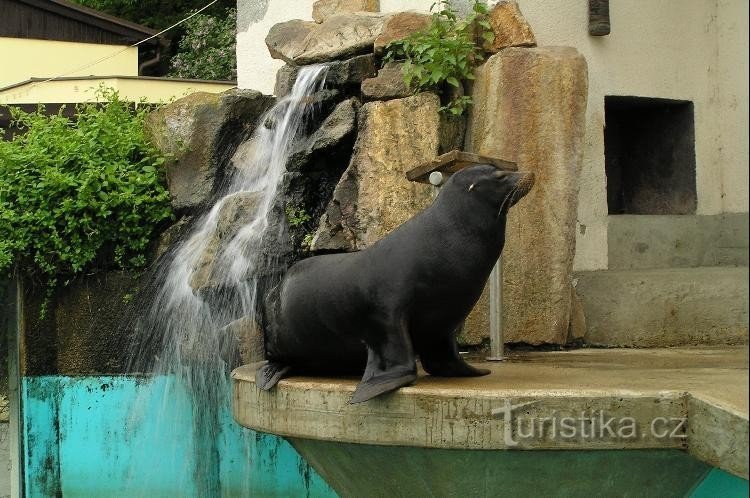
{"points": [[179, 334]]}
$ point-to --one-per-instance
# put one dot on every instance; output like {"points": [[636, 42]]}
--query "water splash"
{"points": [[214, 276]]}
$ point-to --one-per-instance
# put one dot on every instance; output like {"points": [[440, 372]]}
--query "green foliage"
{"points": [[156, 14], [207, 50], [80, 194], [445, 52], [307, 241], [296, 216]]}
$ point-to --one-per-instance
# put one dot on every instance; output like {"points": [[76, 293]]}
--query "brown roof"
{"points": [[66, 21]]}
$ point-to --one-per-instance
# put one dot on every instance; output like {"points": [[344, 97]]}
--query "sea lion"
{"points": [[403, 297]]}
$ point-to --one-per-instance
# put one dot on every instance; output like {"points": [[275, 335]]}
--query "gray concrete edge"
{"points": [[459, 419]]}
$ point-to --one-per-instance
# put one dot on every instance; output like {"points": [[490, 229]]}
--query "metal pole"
{"points": [[496, 312], [15, 427]]}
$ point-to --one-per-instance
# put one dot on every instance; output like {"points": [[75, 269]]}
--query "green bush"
{"points": [[445, 52], [80, 194], [207, 50]]}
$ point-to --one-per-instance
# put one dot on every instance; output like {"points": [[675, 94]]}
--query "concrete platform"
{"points": [[692, 399]]}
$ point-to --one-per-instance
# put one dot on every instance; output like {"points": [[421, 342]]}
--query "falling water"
{"points": [[180, 335]]}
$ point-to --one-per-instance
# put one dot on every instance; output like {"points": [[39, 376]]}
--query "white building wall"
{"points": [[693, 50]]}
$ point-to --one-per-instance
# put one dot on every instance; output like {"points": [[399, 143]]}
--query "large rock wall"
{"points": [[529, 107]]}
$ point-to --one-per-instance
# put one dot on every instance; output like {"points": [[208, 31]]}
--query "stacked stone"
{"points": [[348, 173], [529, 107], [394, 130]]}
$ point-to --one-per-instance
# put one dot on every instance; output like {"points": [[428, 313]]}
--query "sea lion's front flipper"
{"points": [[441, 359], [390, 363], [270, 374]]}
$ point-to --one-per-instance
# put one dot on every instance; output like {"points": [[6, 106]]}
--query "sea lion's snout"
{"points": [[523, 186], [517, 185]]}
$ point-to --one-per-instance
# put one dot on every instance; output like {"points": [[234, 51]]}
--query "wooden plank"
{"points": [[454, 161]]}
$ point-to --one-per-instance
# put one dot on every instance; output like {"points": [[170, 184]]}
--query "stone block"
{"points": [[339, 37], [388, 84], [200, 133], [400, 26], [340, 73], [373, 196], [323, 9], [510, 28], [234, 212], [530, 108]]}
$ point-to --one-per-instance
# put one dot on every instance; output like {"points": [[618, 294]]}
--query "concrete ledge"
{"points": [[667, 307], [682, 241], [614, 399]]}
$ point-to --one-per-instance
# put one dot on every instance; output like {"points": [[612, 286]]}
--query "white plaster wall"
{"points": [[732, 82], [680, 49], [255, 67], [670, 49]]}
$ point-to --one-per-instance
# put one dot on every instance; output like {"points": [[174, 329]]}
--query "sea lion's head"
{"points": [[491, 186]]}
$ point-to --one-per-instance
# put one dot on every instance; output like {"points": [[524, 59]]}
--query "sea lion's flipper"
{"points": [[390, 364], [442, 360], [270, 374], [390, 381]]}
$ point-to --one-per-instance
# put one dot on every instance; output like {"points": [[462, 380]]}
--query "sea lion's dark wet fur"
{"points": [[378, 309]]}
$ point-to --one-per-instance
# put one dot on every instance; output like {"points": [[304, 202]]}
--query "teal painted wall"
{"points": [[99, 436]]}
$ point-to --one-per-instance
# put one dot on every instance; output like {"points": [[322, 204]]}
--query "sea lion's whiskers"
{"points": [[508, 196]]}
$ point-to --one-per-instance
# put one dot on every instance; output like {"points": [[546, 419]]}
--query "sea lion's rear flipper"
{"points": [[270, 374], [383, 383], [443, 360], [390, 363]]}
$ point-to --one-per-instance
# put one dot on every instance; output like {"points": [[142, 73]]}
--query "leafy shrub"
{"points": [[78, 194], [207, 50], [445, 52]]}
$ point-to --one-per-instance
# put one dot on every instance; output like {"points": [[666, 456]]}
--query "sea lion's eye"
{"points": [[471, 187]]}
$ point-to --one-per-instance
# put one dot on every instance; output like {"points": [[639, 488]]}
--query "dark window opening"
{"points": [[649, 149]]}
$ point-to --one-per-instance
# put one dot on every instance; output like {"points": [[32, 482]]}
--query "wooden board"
{"points": [[454, 161]]}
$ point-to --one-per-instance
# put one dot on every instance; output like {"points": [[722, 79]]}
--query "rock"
{"points": [[340, 73], [351, 71], [510, 28], [248, 338], [338, 37], [577, 326], [286, 39], [236, 210], [245, 154], [323, 9], [373, 196], [339, 124], [200, 133], [400, 26], [285, 78], [452, 132], [388, 84], [530, 108], [171, 235]]}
